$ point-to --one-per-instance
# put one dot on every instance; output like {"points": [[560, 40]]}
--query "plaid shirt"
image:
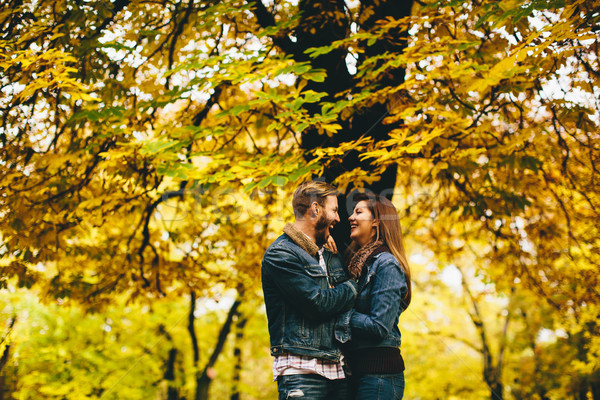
{"points": [[291, 364]]}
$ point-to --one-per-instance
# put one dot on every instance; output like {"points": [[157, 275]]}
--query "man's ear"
{"points": [[314, 208]]}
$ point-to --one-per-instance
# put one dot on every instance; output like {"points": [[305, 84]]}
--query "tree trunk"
{"points": [[237, 355], [595, 385], [172, 392], [191, 329], [5, 356], [492, 372], [369, 121], [169, 375], [204, 379], [323, 22], [595, 391], [202, 385], [496, 389], [3, 362]]}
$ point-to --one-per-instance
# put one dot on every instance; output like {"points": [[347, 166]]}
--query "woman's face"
{"points": [[362, 224]]}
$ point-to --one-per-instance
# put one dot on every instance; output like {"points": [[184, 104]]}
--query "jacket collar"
{"points": [[301, 239]]}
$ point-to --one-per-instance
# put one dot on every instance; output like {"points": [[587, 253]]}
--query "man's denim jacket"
{"points": [[374, 320], [301, 307]]}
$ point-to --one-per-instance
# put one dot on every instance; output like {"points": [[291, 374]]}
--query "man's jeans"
{"points": [[380, 387], [311, 386]]}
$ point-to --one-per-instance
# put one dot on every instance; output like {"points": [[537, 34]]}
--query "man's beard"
{"points": [[321, 230]]}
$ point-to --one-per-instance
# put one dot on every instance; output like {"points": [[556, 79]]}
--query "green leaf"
{"points": [[250, 186], [279, 180], [315, 76], [264, 182]]}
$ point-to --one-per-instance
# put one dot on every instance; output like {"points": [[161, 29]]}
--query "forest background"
{"points": [[149, 149]]}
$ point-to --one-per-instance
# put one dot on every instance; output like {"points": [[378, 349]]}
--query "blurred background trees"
{"points": [[149, 150]]}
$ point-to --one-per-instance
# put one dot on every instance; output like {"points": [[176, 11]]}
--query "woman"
{"points": [[378, 263]]}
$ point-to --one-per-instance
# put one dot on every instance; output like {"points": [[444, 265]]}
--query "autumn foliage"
{"points": [[148, 150]]}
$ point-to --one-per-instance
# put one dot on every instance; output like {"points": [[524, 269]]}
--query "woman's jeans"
{"points": [[380, 387], [311, 386]]}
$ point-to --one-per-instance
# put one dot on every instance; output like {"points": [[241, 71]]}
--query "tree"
{"points": [[144, 143], [133, 351], [501, 151]]}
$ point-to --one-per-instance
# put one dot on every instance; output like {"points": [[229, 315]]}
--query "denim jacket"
{"points": [[374, 320], [301, 307]]}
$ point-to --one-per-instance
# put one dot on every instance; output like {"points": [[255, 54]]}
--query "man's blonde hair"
{"points": [[309, 192]]}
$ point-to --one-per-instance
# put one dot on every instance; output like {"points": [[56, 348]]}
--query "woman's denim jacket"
{"points": [[301, 307], [374, 320]]}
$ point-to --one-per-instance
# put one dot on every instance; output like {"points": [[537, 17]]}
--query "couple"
{"points": [[317, 308]]}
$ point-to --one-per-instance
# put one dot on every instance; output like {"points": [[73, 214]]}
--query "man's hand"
{"points": [[331, 245]]}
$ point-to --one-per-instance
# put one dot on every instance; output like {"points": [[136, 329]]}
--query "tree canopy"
{"points": [[148, 150]]}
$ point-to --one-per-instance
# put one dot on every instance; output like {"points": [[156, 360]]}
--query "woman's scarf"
{"points": [[359, 259]]}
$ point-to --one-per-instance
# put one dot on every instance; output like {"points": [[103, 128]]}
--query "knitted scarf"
{"points": [[301, 239], [362, 256]]}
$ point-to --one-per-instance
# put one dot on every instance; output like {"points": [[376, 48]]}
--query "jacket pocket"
{"points": [[316, 272]]}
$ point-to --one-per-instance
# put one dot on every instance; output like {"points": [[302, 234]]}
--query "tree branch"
{"points": [[178, 31], [203, 381], [191, 330], [265, 19]]}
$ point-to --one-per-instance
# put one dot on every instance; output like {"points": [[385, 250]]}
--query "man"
{"points": [[306, 289]]}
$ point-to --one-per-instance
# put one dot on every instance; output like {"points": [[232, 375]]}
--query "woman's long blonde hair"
{"points": [[389, 232]]}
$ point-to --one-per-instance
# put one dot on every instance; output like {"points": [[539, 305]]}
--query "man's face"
{"points": [[328, 217]]}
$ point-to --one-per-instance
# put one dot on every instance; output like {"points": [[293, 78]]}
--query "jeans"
{"points": [[311, 386], [379, 387]]}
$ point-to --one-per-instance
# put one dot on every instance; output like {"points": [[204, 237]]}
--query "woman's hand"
{"points": [[331, 245]]}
